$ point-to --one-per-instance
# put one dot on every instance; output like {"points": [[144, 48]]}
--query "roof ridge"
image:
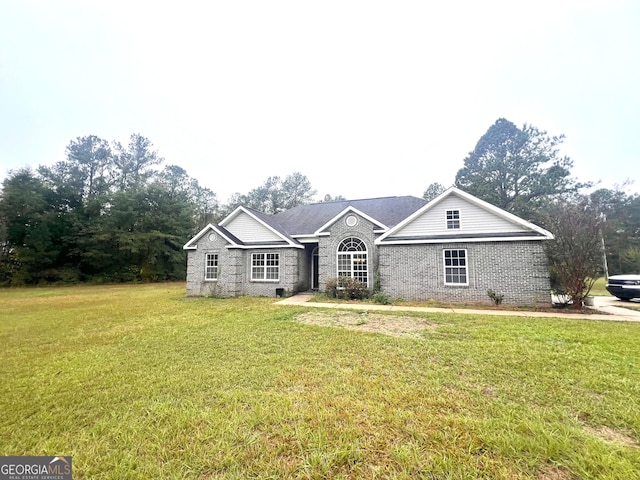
{"points": [[364, 199]]}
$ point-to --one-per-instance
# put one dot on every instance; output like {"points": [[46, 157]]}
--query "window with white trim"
{"points": [[353, 260], [265, 267], [211, 266], [455, 267], [453, 219]]}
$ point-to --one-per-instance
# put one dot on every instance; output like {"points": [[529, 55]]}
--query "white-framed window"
{"points": [[265, 267], [211, 266], [455, 267], [353, 260], [453, 219]]}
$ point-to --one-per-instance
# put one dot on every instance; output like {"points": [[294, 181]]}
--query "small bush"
{"points": [[346, 288], [495, 297], [332, 288], [381, 298]]}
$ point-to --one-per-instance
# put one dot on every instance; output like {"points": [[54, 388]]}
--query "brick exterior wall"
{"points": [[517, 270], [328, 249], [234, 270]]}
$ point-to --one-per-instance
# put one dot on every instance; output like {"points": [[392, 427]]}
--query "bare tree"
{"points": [[575, 255]]}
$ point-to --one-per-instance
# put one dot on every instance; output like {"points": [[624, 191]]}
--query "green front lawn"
{"points": [[599, 288], [139, 382]]}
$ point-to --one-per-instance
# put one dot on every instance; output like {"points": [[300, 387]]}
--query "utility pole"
{"points": [[603, 217]]}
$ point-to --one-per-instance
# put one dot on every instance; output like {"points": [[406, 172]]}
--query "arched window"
{"points": [[352, 260]]}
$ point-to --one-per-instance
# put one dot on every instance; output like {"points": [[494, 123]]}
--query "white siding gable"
{"points": [[208, 233], [248, 229], [473, 220]]}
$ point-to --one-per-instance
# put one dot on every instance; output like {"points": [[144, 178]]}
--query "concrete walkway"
{"points": [[605, 305]]}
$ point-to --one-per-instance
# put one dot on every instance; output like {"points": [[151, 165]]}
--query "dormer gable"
{"points": [[212, 231], [350, 214]]}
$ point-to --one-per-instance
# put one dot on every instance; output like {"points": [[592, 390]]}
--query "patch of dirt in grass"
{"points": [[394, 325], [489, 391], [612, 435], [553, 472]]}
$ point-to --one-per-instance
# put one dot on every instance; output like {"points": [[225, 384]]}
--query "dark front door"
{"points": [[315, 276]]}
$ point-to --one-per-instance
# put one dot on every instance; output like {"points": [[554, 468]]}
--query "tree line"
{"points": [[111, 212], [106, 213]]}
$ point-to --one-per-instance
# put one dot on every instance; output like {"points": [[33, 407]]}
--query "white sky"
{"points": [[365, 98]]}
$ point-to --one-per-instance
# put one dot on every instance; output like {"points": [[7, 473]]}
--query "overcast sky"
{"points": [[365, 98]]}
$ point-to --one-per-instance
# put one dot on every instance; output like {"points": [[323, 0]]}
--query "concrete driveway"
{"points": [[615, 306]]}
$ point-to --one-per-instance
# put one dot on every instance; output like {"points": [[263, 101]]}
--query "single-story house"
{"points": [[453, 249]]}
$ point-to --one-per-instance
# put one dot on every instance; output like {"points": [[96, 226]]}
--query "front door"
{"points": [[315, 276]]}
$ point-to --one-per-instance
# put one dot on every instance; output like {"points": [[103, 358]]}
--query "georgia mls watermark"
{"points": [[35, 468]]}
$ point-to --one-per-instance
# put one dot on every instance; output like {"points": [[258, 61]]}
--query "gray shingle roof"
{"points": [[306, 219]]}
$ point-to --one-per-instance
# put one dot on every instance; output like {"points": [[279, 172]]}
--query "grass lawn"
{"points": [[139, 382], [599, 288]]}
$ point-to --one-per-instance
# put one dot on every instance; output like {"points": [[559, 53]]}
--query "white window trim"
{"points": [[351, 262], [466, 267], [264, 268], [446, 220], [206, 267]]}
